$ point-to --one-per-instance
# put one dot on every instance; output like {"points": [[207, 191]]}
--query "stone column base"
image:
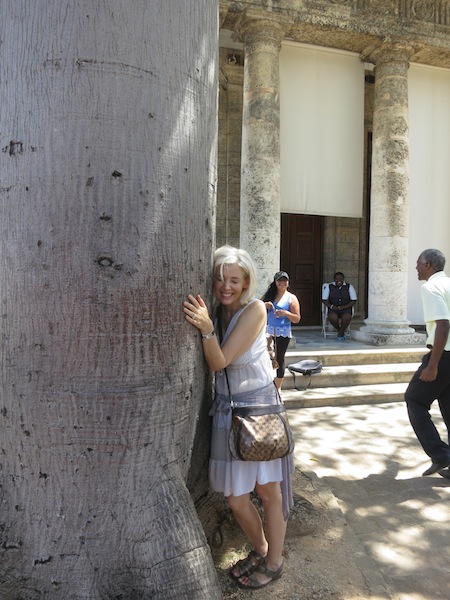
{"points": [[388, 334]]}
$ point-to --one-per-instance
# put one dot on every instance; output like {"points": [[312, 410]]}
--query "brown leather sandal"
{"points": [[254, 583], [247, 564]]}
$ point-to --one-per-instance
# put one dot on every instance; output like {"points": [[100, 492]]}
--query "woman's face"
{"points": [[229, 290], [282, 284]]}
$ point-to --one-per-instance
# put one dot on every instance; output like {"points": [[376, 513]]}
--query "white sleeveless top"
{"points": [[250, 371]]}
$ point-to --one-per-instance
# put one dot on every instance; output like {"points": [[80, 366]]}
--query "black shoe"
{"points": [[445, 473], [435, 467]]}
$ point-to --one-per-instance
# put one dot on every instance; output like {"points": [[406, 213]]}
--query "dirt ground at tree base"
{"points": [[323, 558]]}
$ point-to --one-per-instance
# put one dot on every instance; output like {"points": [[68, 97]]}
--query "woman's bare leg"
{"points": [[270, 494], [279, 382], [248, 518]]}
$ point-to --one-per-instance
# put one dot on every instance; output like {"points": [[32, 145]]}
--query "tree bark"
{"points": [[107, 174]]}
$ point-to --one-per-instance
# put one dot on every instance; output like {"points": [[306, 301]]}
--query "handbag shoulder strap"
{"points": [[229, 390]]}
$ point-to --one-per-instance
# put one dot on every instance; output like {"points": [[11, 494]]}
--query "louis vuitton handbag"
{"points": [[261, 432]]}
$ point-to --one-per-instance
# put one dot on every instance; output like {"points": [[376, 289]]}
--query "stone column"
{"points": [[260, 166], [389, 263], [229, 155]]}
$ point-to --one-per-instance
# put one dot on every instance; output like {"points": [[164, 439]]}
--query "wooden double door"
{"points": [[301, 258]]}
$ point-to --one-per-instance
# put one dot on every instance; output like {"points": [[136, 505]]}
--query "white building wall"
{"points": [[429, 133]]}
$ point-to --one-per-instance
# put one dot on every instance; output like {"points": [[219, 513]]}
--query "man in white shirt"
{"points": [[339, 297], [432, 379]]}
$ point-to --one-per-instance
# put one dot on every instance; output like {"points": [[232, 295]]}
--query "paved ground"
{"points": [[370, 460], [365, 466]]}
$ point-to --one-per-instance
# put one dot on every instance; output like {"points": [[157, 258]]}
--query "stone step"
{"points": [[348, 356], [353, 372], [344, 395], [337, 376]]}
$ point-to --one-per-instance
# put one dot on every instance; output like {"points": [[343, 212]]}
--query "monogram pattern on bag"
{"points": [[260, 437]]}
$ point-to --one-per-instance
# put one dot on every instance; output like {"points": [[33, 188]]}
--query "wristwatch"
{"points": [[207, 336]]}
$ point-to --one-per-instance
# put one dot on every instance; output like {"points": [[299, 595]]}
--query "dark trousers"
{"points": [[419, 397], [282, 346]]}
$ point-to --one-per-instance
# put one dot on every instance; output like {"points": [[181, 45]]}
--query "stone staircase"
{"points": [[351, 376]]}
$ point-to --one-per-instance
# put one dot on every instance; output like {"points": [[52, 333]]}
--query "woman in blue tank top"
{"points": [[283, 309]]}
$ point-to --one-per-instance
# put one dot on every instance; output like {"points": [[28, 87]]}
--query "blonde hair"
{"points": [[228, 255]]}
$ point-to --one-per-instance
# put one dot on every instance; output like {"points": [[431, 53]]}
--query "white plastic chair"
{"points": [[326, 323]]}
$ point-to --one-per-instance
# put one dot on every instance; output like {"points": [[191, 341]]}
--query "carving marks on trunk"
{"points": [[112, 67], [117, 68], [14, 148]]}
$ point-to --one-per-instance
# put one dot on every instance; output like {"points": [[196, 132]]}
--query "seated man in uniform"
{"points": [[340, 298]]}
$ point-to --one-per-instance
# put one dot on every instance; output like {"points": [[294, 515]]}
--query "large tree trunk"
{"points": [[108, 135]]}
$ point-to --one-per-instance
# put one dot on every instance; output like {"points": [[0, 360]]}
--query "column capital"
{"points": [[256, 28], [389, 51]]}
